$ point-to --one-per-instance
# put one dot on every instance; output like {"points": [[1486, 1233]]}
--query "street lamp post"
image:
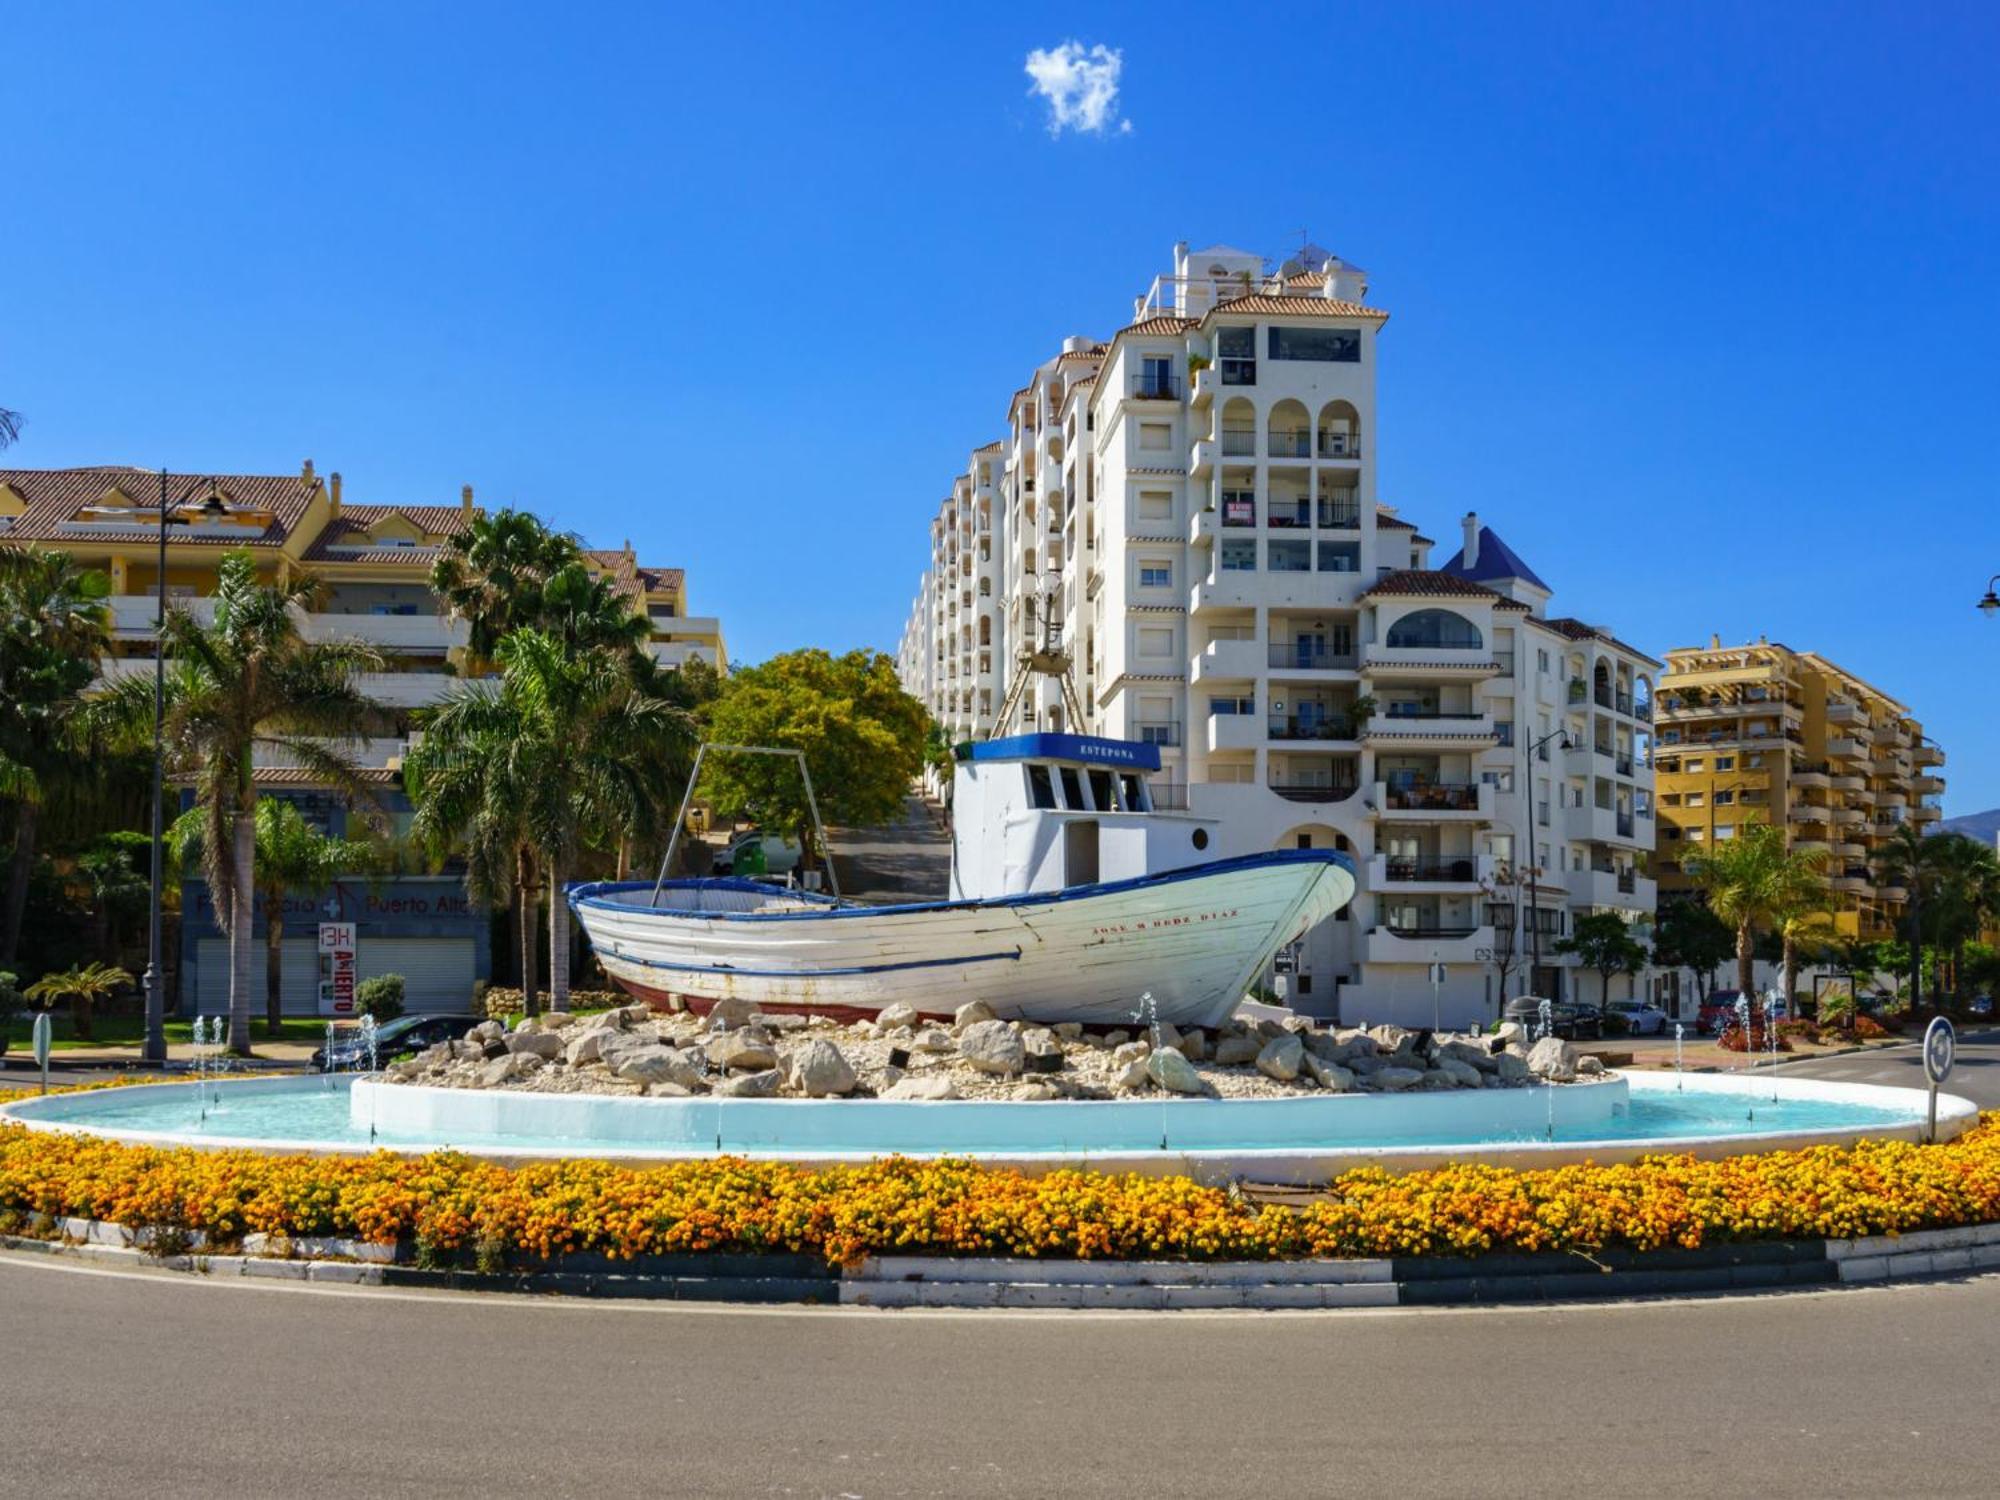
{"points": [[1991, 602], [154, 1051]]}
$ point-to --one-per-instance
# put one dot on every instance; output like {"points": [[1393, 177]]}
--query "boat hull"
{"points": [[1193, 939]]}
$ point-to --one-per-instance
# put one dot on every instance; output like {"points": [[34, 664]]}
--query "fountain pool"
{"points": [[1298, 1139]]}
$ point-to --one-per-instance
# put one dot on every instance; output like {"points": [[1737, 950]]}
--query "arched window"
{"points": [[1436, 628]]}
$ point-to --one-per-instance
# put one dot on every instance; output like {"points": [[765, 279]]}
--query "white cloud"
{"points": [[1081, 86]]}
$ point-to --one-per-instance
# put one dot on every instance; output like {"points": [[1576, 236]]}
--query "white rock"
{"points": [[932, 1088], [729, 1012], [543, 1044], [1131, 1074], [972, 1013], [1173, 1072], [556, 1020], [992, 1047], [1124, 1052], [1281, 1058], [752, 1085], [1328, 1075], [743, 1050], [1553, 1059], [1069, 1031], [651, 1065], [1396, 1078], [1461, 1073], [898, 1014], [1511, 1068], [933, 1039], [1193, 1045], [1589, 1067], [818, 1069], [1235, 1051], [1040, 1040], [1037, 1091]]}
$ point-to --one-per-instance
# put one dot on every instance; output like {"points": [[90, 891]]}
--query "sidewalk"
{"points": [[269, 1055]]}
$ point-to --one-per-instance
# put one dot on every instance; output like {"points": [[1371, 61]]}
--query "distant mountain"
{"points": [[1980, 825]]}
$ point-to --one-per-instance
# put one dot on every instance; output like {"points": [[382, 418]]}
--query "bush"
{"points": [[1615, 1024], [1731, 1039], [12, 1001], [380, 997], [1798, 1031], [1869, 1029]]}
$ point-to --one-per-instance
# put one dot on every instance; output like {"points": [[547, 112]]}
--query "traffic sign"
{"points": [[1940, 1050], [43, 1038]]}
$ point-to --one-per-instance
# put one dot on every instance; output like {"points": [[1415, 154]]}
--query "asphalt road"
{"points": [[158, 1384]]}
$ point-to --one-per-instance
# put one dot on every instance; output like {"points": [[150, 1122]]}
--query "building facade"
{"points": [[372, 562], [1763, 733], [1190, 508]]}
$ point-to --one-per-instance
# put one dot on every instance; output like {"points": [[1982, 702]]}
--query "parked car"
{"points": [[758, 853], [1718, 1012], [405, 1036], [1641, 1019], [1569, 1021], [1979, 1005]]}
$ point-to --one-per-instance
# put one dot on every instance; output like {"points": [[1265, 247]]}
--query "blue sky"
{"points": [[1699, 305]]}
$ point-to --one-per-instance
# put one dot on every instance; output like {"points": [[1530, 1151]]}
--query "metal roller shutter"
{"points": [[299, 985], [437, 972]]}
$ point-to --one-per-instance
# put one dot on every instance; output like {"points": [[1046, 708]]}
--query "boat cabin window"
{"points": [[1072, 788], [1041, 790], [1130, 784], [1100, 791]]}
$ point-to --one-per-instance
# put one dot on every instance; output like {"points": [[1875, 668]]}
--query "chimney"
{"points": [[333, 494], [306, 471], [1714, 642], [1471, 526], [465, 502]]}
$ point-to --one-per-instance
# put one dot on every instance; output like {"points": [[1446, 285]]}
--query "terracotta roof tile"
{"points": [[54, 496], [1159, 325], [1425, 583], [1298, 307]]}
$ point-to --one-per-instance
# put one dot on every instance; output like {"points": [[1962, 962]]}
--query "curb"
{"points": [[943, 1282]]}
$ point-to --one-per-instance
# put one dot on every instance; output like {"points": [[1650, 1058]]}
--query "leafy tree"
{"points": [[1967, 899], [1687, 935], [10, 427], [494, 573], [567, 740], [83, 986], [1749, 881], [109, 880], [54, 626], [250, 681], [862, 735], [1803, 914], [291, 855], [1604, 941], [1917, 864]]}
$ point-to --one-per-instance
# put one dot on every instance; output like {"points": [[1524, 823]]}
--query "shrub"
{"points": [[1615, 1024], [380, 997], [1869, 1029], [1731, 1039], [12, 1001], [1798, 1031], [1836, 1008]]}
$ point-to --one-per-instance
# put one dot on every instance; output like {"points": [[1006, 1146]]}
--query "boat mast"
{"points": [[1043, 656], [687, 800]]}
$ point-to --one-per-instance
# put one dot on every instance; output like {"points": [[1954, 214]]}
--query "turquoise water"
{"points": [[310, 1112]]}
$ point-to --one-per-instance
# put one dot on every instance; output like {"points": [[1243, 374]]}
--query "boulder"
{"points": [[542, 1044], [784, 1022], [1281, 1058], [819, 1069], [1040, 1040], [556, 1020], [1173, 1072], [1356, 1041], [1553, 1060], [1115, 1039], [933, 1039], [1069, 1031], [668, 1090], [1461, 1073], [752, 1085], [1328, 1075], [1268, 1029], [1511, 1068], [931, 1089], [634, 1014], [747, 1050], [1166, 1034], [1395, 1078], [889, 1017], [651, 1065], [730, 1012], [972, 1013], [1589, 1067], [587, 1048], [1235, 1051], [1124, 1052], [1130, 1074], [1325, 1046], [1193, 1045], [500, 1070], [1470, 1053], [1037, 1091], [992, 1047], [1512, 1031]]}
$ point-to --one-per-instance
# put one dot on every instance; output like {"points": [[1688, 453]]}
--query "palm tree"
{"points": [[565, 742], [1967, 898], [1750, 880], [250, 681], [1916, 864], [492, 575], [82, 986], [1803, 913], [54, 627], [291, 855], [10, 427]]}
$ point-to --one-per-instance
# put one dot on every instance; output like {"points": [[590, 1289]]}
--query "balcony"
{"points": [[1307, 656], [1605, 825], [1289, 514], [1927, 754], [405, 689], [1228, 589], [1202, 526], [1928, 785], [1839, 711], [1151, 385], [1294, 444], [1201, 458], [1228, 732], [1430, 872], [1845, 747], [1812, 777], [1339, 512], [1432, 663], [1318, 728], [1202, 386], [1239, 442], [1615, 890], [1339, 445], [1163, 732], [1234, 661], [1322, 793], [1455, 730], [1848, 817], [1807, 812], [1847, 783], [1453, 802], [1446, 943]]}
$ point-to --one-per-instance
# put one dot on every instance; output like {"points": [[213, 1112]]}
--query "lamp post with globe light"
{"points": [[1991, 603]]}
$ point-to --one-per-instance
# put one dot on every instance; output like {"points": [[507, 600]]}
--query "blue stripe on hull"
{"points": [[916, 963]]}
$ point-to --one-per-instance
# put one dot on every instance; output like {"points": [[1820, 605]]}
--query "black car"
{"points": [[405, 1036], [1569, 1021]]}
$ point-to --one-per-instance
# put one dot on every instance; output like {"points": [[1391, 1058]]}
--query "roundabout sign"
{"points": [[1940, 1052]]}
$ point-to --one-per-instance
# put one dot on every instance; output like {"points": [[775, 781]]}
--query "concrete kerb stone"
{"points": [[936, 1281]]}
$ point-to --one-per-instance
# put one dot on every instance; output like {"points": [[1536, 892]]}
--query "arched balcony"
{"points": [[1289, 431], [1239, 429]]}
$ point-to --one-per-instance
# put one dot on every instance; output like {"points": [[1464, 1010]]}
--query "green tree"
{"points": [[567, 740], [494, 573], [107, 876], [246, 682], [10, 427], [1604, 941], [1803, 914], [1967, 899], [291, 854], [83, 986], [1687, 935], [862, 735], [54, 628], [1917, 864], [1749, 881]]}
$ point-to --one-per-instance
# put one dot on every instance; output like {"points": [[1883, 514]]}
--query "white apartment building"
{"points": [[1195, 501]]}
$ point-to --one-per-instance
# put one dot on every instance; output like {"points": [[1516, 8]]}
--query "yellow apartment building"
{"points": [[1761, 732]]}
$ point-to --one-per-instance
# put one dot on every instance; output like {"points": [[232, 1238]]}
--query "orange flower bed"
{"points": [[456, 1207]]}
